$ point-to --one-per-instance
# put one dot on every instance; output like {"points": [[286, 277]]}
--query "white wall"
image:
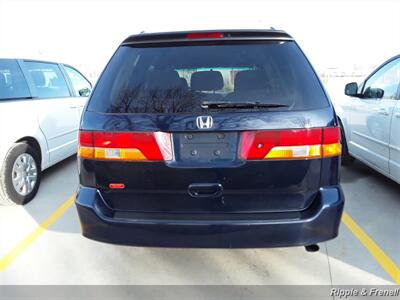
{"points": [[85, 33]]}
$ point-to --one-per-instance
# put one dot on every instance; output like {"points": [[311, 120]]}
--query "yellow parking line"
{"points": [[384, 261], [40, 229]]}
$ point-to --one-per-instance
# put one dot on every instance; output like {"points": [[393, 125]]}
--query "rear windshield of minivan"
{"points": [[190, 78]]}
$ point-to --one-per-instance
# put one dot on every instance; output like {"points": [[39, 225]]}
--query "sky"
{"points": [[85, 33]]}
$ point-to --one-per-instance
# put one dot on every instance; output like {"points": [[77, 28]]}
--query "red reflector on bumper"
{"points": [[116, 186]]}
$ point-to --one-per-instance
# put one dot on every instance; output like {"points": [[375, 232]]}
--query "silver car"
{"points": [[370, 120]]}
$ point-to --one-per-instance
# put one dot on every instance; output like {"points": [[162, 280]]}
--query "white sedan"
{"points": [[40, 109], [370, 120]]}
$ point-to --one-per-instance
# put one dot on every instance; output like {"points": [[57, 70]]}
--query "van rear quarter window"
{"points": [[180, 79], [12, 82], [47, 79]]}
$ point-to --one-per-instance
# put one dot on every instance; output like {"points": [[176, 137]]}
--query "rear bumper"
{"points": [[320, 222]]}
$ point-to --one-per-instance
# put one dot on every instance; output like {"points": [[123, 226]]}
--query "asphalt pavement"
{"points": [[41, 243]]}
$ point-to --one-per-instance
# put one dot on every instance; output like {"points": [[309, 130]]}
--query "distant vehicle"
{"points": [[370, 120], [40, 109], [210, 139]]}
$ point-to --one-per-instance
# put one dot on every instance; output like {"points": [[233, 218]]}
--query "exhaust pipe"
{"points": [[312, 248]]}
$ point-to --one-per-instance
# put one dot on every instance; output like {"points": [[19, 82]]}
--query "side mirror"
{"points": [[85, 92], [351, 89], [373, 93]]}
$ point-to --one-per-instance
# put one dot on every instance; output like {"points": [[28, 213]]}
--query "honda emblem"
{"points": [[204, 122]]}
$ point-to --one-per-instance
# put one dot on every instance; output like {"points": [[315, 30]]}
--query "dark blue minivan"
{"points": [[220, 139]]}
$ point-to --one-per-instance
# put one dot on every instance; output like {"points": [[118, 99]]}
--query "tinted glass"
{"points": [[179, 79], [12, 82], [47, 79], [387, 79], [79, 82]]}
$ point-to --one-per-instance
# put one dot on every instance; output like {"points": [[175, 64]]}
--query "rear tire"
{"points": [[29, 165], [347, 159]]}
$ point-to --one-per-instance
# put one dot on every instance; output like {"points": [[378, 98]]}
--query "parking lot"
{"points": [[41, 243]]}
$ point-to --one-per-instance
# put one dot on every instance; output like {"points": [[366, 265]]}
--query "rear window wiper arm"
{"points": [[249, 104]]}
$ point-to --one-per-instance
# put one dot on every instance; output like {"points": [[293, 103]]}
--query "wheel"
{"points": [[347, 159], [19, 175]]}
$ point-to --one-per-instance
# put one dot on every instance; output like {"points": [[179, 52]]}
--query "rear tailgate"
{"points": [[207, 123], [207, 172]]}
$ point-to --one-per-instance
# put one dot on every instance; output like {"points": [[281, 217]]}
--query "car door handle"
{"points": [[73, 106], [382, 111], [397, 115]]}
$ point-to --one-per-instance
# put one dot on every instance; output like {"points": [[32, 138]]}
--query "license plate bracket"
{"points": [[206, 147]]}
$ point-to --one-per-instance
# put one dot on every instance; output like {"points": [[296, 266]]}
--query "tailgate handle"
{"points": [[199, 190]]}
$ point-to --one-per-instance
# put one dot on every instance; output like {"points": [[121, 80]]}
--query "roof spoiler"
{"points": [[208, 35]]}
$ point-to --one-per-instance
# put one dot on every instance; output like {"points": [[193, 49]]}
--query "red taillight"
{"points": [[86, 138], [290, 144], [204, 35], [331, 145], [129, 146], [331, 135]]}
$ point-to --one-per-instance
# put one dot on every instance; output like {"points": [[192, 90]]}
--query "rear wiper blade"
{"points": [[250, 104]]}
